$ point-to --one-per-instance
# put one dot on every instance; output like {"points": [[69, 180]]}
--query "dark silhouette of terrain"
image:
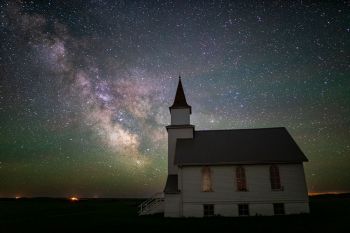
{"points": [[329, 213]]}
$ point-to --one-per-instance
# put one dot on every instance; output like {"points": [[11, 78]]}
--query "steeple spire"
{"points": [[180, 98]]}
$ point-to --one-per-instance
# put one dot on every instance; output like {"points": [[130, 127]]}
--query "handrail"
{"points": [[155, 197], [151, 198]]}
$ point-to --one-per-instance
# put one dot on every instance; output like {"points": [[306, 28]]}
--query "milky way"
{"points": [[85, 87]]}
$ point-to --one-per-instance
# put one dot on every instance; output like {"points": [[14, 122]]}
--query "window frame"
{"points": [[275, 178], [243, 210], [207, 173], [279, 209], [208, 210], [241, 179]]}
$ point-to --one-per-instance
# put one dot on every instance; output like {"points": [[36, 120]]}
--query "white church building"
{"points": [[234, 172]]}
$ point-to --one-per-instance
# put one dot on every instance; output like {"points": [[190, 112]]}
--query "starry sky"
{"points": [[85, 87]]}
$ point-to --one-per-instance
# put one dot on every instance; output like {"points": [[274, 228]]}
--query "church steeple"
{"points": [[180, 98], [180, 125]]}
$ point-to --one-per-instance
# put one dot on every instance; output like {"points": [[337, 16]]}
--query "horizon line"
{"points": [[139, 196]]}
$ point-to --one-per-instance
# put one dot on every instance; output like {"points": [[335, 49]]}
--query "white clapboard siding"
{"points": [[173, 134], [172, 205], [180, 116], [259, 195]]}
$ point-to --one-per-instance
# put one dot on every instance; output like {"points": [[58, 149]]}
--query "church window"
{"points": [[275, 178], [206, 179], [243, 210], [208, 210], [241, 179], [278, 209]]}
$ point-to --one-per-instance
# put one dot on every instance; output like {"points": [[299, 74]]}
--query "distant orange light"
{"points": [[323, 193], [17, 197], [74, 199]]}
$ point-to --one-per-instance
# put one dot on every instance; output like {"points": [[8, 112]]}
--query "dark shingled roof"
{"points": [[180, 98], [240, 146], [171, 184]]}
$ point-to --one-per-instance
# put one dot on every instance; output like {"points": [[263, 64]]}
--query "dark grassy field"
{"points": [[329, 213]]}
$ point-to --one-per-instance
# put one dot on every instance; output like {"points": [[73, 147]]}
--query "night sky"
{"points": [[85, 87]]}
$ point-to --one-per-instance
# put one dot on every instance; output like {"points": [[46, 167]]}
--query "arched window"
{"points": [[240, 178], [275, 178], [206, 179]]}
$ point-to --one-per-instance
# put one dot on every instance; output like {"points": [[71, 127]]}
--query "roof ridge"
{"points": [[207, 130]]}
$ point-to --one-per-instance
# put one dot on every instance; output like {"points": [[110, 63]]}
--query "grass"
{"points": [[329, 213]]}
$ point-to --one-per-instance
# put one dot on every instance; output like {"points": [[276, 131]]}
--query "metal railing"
{"points": [[150, 204]]}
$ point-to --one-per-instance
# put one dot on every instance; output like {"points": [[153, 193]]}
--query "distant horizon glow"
{"points": [[75, 198], [85, 88]]}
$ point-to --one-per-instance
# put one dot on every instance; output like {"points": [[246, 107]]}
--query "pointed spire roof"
{"points": [[180, 98]]}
